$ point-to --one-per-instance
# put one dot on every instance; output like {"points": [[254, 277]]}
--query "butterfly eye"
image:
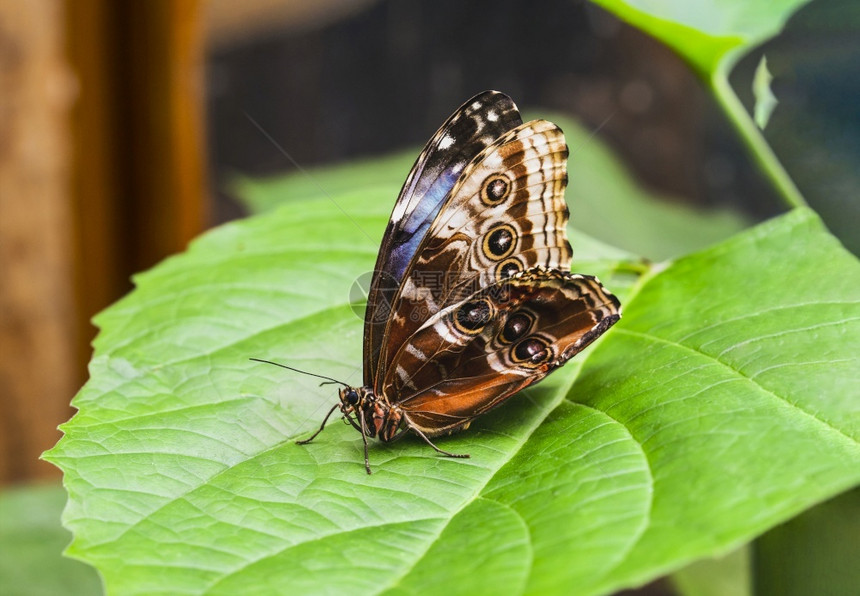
{"points": [[495, 189], [352, 397], [473, 316]]}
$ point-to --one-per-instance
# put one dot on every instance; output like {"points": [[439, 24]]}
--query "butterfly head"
{"points": [[351, 397], [372, 416]]}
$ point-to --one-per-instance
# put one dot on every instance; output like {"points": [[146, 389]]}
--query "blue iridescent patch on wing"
{"points": [[418, 223]]}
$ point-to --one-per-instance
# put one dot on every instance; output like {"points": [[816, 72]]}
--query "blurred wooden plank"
{"points": [[140, 176], [99, 202], [37, 331], [163, 61], [139, 143]]}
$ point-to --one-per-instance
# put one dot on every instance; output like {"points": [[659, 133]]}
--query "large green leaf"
{"points": [[712, 36], [706, 32], [723, 403]]}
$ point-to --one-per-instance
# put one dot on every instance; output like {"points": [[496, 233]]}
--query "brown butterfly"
{"points": [[472, 299]]}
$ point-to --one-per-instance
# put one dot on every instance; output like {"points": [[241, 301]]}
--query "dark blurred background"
{"points": [[122, 123]]}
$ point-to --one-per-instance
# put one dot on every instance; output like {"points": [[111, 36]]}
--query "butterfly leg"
{"points": [[442, 451], [364, 438], [322, 426], [348, 419]]}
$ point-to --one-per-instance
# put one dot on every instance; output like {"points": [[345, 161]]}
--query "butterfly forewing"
{"points": [[507, 213], [474, 126], [471, 356]]}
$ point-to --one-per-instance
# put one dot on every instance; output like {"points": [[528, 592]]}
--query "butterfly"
{"points": [[472, 299]]}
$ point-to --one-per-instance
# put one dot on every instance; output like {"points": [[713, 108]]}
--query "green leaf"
{"points": [[723, 403], [32, 540], [765, 101], [605, 198], [706, 33], [712, 37]]}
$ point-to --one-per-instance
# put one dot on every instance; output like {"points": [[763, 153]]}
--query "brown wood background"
{"points": [[37, 326], [101, 174]]}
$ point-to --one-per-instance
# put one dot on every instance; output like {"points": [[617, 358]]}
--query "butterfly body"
{"points": [[472, 299]]}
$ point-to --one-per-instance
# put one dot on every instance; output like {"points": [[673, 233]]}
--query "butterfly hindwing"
{"points": [[472, 127], [471, 356], [506, 214]]}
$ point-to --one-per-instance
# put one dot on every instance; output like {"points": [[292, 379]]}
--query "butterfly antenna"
{"points": [[329, 379]]}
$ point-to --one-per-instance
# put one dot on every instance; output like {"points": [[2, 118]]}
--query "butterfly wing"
{"points": [[505, 214], [472, 127], [470, 357]]}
